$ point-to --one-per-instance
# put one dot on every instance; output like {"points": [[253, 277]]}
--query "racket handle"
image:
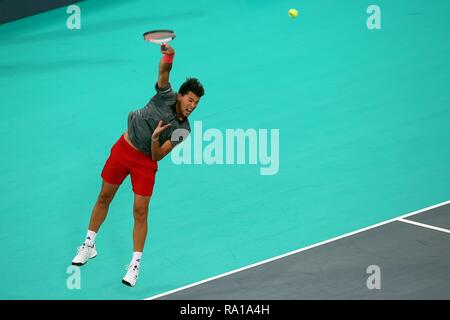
{"points": [[163, 47]]}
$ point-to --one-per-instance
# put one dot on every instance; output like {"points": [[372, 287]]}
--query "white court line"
{"points": [[298, 250], [424, 225]]}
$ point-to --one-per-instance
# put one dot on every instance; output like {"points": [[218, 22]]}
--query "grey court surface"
{"points": [[410, 262]]}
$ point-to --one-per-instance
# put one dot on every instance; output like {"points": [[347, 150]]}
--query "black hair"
{"points": [[193, 85]]}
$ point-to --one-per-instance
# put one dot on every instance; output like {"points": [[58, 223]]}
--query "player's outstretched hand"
{"points": [[168, 49], [160, 128]]}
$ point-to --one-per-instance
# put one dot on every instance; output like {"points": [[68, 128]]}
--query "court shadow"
{"points": [[103, 27]]}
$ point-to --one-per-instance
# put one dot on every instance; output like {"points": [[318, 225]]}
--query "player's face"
{"points": [[188, 103]]}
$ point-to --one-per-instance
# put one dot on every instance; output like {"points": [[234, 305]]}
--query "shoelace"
{"points": [[133, 267], [82, 249], [134, 271]]}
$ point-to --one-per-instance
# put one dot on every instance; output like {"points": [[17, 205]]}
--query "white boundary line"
{"points": [[424, 225], [297, 251]]}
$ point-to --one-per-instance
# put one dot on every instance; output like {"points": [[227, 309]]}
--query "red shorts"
{"points": [[124, 160]]}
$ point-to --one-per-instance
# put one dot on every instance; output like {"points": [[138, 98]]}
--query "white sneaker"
{"points": [[84, 254], [131, 276]]}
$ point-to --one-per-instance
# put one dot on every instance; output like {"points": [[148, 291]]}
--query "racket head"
{"points": [[159, 36]]}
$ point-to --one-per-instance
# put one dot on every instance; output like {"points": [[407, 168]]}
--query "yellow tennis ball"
{"points": [[292, 13]]}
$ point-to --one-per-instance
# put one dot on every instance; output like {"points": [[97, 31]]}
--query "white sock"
{"points": [[136, 260], [90, 238]]}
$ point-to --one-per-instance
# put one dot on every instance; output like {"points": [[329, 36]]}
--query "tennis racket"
{"points": [[160, 37]]}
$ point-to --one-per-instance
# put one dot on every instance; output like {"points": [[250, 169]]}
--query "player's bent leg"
{"points": [[101, 206], [88, 251]]}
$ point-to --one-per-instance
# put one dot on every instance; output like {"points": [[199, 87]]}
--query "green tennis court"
{"points": [[363, 118]]}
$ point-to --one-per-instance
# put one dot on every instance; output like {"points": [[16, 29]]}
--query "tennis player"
{"points": [[152, 133]]}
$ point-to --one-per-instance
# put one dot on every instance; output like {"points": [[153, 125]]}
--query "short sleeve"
{"points": [[163, 91]]}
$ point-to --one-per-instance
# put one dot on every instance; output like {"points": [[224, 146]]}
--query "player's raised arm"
{"points": [[165, 65]]}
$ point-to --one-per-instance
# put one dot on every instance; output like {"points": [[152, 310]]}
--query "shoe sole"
{"points": [[79, 264], [126, 283]]}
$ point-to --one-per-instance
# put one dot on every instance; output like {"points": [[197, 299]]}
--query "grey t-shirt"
{"points": [[142, 122]]}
